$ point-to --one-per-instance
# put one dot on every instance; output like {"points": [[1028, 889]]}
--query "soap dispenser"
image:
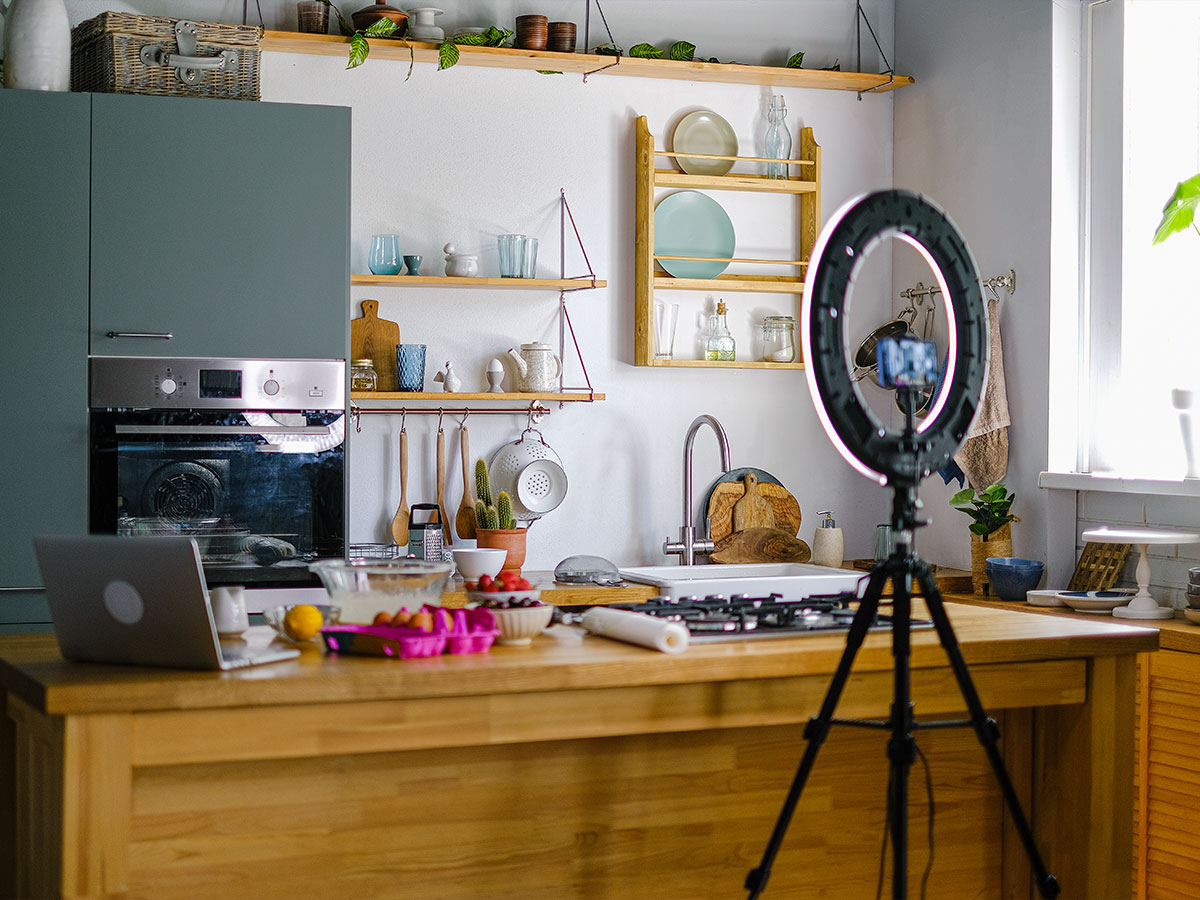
{"points": [[827, 542]]}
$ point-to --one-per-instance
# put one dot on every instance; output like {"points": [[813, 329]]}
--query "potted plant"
{"points": [[495, 524], [991, 530]]}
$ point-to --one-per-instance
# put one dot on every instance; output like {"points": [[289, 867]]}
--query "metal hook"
{"points": [[403, 415], [440, 413], [357, 419], [466, 415]]}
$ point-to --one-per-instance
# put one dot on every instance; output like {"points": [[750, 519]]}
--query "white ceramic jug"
{"points": [[538, 369], [37, 45]]}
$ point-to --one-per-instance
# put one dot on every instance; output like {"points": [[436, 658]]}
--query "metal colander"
{"points": [[531, 473]]}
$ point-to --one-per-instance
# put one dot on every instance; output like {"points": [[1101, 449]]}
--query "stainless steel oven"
{"points": [[246, 456]]}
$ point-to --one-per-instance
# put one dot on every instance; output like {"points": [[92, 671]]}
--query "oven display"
{"points": [[223, 383]]}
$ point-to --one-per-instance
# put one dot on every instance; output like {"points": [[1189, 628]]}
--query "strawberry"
{"points": [[492, 587], [522, 584], [484, 581], [471, 585]]}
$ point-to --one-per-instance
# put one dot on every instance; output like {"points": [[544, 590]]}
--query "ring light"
{"points": [[858, 434]]}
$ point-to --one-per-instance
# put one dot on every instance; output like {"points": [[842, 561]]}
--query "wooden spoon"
{"points": [[464, 521], [441, 486], [400, 520]]}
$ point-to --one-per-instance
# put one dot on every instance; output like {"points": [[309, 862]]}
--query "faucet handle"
{"points": [[708, 528]]}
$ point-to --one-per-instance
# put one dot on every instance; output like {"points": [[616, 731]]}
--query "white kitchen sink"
{"points": [[793, 581]]}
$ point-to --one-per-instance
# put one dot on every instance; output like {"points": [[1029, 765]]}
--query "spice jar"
{"points": [[779, 343], [362, 376]]}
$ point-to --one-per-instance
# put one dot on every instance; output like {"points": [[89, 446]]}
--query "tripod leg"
{"points": [[902, 746], [985, 728], [818, 726]]}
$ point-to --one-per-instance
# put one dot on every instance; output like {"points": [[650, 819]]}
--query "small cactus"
{"points": [[491, 519], [480, 514], [483, 484], [504, 511]]}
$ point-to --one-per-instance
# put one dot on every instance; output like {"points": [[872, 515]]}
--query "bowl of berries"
{"points": [[516, 604]]}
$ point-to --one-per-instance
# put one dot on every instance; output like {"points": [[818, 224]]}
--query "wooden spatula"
{"points": [[441, 486], [400, 520], [464, 520], [752, 511]]}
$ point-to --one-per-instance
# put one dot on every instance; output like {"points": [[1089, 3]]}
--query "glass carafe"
{"points": [[777, 142], [719, 345]]}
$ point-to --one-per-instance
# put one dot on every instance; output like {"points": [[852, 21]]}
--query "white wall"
{"points": [[464, 154], [974, 134]]}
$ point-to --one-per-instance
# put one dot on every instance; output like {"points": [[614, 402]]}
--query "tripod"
{"points": [[902, 566]]}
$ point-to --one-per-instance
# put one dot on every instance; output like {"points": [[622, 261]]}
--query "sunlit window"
{"points": [[1159, 342]]}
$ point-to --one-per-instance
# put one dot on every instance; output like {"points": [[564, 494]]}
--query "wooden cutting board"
{"points": [[758, 545], [374, 338], [725, 496], [752, 511]]}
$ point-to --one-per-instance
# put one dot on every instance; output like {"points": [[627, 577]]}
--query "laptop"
{"points": [[136, 600]]}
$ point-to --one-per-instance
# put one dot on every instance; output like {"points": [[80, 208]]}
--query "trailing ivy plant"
{"points": [[360, 48], [683, 51], [493, 37], [1180, 211]]}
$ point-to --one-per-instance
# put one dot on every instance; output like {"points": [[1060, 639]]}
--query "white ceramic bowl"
{"points": [[1043, 598], [518, 626], [475, 562]]}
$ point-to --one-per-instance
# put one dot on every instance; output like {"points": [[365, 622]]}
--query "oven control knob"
{"points": [[271, 387], [168, 386]]}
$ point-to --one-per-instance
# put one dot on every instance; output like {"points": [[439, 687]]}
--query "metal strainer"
{"points": [[531, 473]]}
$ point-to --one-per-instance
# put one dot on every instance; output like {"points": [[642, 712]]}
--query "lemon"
{"points": [[302, 622]]}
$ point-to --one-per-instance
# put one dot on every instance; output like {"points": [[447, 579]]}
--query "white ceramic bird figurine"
{"points": [[449, 381]]}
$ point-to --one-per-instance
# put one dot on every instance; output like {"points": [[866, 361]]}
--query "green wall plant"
{"points": [[1180, 211]]}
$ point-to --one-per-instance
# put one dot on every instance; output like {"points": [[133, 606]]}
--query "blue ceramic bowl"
{"points": [[1011, 576]]}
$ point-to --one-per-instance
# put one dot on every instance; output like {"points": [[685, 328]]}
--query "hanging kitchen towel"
{"points": [[984, 456]]}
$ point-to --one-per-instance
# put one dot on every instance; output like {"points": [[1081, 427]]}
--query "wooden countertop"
{"points": [[563, 659], [1174, 634]]}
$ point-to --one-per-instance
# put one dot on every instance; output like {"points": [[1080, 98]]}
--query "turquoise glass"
{"points": [[385, 254]]}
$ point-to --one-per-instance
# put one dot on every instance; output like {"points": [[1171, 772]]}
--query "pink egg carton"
{"points": [[470, 631]]}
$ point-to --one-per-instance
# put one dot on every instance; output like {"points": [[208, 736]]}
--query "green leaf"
{"points": [[359, 48], [343, 25], [836, 67], [447, 55], [547, 72], [497, 37], [681, 50], [471, 40], [796, 60], [1180, 209], [980, 529], [380, 28], [607, 50], [963, 497], [645, 51]]}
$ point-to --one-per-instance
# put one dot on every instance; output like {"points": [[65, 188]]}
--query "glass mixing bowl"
{"points": [[364, 587]]}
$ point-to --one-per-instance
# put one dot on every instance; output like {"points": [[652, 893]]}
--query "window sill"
{"points": [[1115, 484]]}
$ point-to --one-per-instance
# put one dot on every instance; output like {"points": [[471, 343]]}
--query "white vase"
{"points": [[1183, 400], [37, 45]]}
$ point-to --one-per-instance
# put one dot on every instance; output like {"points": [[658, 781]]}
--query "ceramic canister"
{"points": [[37, 45]]}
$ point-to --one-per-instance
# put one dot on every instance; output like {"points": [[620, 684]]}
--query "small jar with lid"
{"points": [[362, 376], [779, 339]]}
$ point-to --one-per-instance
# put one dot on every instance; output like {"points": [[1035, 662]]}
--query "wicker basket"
{"points": [[107, 57], [998, 543]]}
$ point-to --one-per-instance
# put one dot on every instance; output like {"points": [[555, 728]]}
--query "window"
{"points": [[1141, 323]]}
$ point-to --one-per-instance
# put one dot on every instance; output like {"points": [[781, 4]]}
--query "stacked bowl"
{"points": [[1193, 595], [531, 32], [1012, 577], [562, 37]]}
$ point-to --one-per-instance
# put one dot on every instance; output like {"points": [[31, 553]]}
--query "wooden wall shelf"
{"points": [[448, 281], [590, 63], [806, 191]]}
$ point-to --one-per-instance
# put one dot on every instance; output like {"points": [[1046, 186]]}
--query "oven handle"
{"points": [[222, 429]]}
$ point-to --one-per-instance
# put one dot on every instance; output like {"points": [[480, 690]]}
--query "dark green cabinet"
{"points": [[222, 223], [44, 183]]}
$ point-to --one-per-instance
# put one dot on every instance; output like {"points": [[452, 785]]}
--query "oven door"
{"points": [[262, 493]]}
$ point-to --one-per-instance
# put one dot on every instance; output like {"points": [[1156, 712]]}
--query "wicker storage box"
{"points": [[123, 53]]}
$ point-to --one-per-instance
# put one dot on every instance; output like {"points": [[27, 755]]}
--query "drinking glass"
{"points": [[312, 17], [529, 257], [665, 317], [884, 544], [512, 254], [410, 366], [385, 254]]}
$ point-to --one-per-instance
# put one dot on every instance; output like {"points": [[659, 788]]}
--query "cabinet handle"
{"points": [[162, 335]]}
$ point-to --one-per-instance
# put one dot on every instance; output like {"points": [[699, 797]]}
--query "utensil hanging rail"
{"points": [[535, 411], [1008, 281]]}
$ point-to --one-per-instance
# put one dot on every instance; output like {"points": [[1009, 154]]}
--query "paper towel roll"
{"points": [[636, 628]]}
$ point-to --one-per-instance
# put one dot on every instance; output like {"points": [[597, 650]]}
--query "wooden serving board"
{"points": [[760, 545], [374, 338], [726, 495]]}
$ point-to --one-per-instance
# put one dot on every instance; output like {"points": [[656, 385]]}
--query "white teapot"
{"points": [[461, 265], [538, 369]]}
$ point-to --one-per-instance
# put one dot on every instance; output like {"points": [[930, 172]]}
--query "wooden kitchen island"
{"points": [[574, 768]]}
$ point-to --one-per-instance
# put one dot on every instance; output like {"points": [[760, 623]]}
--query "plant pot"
{"points": [[998, 543], [510, 539]]}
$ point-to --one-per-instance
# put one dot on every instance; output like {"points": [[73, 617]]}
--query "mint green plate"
{"points": [[688, 223]]}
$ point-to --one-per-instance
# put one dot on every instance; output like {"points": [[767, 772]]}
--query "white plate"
{"points": [[704, 132], [1043, 598], [1101, 602]]}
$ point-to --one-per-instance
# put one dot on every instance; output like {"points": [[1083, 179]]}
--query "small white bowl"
{"points": [[475, 562], [1044, 598], [519, 625]]}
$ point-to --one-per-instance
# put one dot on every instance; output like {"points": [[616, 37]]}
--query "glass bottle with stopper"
{"points": [[720, 344], [777, 142]]}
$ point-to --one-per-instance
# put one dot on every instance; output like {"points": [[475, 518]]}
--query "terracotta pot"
{"points": [[510, 539], [998, 543]]}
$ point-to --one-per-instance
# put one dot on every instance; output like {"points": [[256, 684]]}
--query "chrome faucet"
{"points": [[687, 546]]}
